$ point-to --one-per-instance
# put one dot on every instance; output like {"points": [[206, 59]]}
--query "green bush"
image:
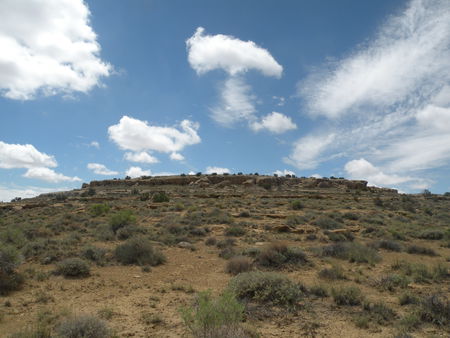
{"points": [[94, 254], [432, 235], [99, 209], [347, 295], [389, 245], [121, 219], [160, 197], [83, 326], [235, 231], [266, 288], [391, 282], [379, 312], [73, 267], [327, 223], [139, 250], [214, 317], [10, 280]]}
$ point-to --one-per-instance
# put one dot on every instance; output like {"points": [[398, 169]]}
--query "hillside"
{"points": [[295, 257]]}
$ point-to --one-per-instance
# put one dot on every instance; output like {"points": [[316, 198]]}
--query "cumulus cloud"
{"points": [[101, 169], [134, 172], [388, 100], [23, 156], [209, 52], [235, 57], [136, 135], [176, 157], [49, 175], [48, 47], [141, 157], [217, 170], [364, 170], [283, 172], [94, 144], [276, 123]]}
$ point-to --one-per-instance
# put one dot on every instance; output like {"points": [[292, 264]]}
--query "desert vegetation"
{"points": [[225, 256]]}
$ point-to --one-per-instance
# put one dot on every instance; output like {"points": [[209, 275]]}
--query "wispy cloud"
{"points": [[389, 100], [100, 169]]}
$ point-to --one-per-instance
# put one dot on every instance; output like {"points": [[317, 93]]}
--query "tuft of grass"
{"points": [[333, 273], [379, 312], [139, 250], [391, 282], [435, 309]]}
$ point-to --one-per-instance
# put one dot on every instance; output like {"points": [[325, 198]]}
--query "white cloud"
{"points": [[141, 157], [364, 170], [101, 169], [316, 176], [217, 170], [23, 156], [237, 103], [49, 175], [209, 52], [434, 117], [136, 135], [281, 100], [408, 59], [8, 193], [284, 172], [176, 157], [47, 47], [94, 144], [134, 172], [235, 57], [276, 123], [308, 150]]}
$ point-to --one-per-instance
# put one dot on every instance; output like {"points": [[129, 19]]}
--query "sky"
{"points": [[93, 90]]}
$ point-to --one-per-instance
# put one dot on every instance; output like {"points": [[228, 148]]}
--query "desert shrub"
{"points": [[73, 267], [121, 219], [347, 295], [99, 209], [214, 317], [144, 196], [227, 242], [435, 309], [353, 252], [217, 216], [10, 280], [346, 236], [391, 282], [408, 298], [420, 250], [277, 255], [211, 241], [326, 223], [379, 312], [293, 220], [244, 213], [83, 326], [139, 250], [239, 264], [351, 216], [227, 252], [14, 236], [417, 271], [333, 273], [94, 254], [319, 291], [266, 288], [199, 231], [236, 231], [129, 231], [389, 245], [160, 197], [296, 205], [432, 235]]}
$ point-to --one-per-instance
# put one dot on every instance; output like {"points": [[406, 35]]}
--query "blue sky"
{"points": [[91, 90]]}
